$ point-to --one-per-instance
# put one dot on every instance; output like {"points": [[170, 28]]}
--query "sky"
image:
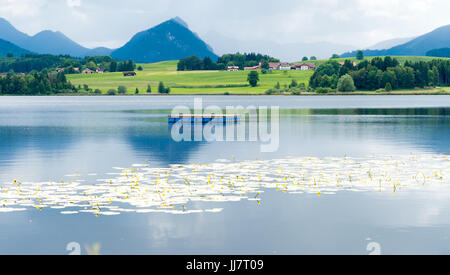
{"points": [[111, 23]]}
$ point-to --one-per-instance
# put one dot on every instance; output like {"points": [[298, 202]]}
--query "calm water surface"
{"points": [[49, 138]]}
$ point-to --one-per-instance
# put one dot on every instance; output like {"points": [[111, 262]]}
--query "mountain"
{"points": [[444, 52], [45, 42], [387, 44], [170, 40], [439, 38], [49, 42], [100, 51], [285, 52], [7, 47], [9, 33]]}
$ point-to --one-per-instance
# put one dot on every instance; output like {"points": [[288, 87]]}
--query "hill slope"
{"points": [[387, 44], [439, 38], [170, 40], [7, 47], [9, 33], [49, 42]]}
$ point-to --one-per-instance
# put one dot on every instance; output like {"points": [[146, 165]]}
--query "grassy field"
{"points": [[192, 82], [213, 82]]}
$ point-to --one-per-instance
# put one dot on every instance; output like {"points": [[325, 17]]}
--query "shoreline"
{"points": [[372, 93]]}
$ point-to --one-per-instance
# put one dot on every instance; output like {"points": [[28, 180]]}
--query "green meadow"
{"points": [[216, 82], [189, 82], [401, 59]]}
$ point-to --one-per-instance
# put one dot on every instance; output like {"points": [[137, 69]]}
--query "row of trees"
{"points": [[383, 72], [31, 62], [244, 60], [193, 63], [38, 62], [125, 66], [122, 90], [41, 83], [305, 58]]}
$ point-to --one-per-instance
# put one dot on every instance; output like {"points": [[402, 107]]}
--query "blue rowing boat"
{"points": [[204, 119]]}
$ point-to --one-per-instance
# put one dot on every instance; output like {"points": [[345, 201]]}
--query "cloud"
{"points": [[73, 3], [355, 22], [20, 8]]}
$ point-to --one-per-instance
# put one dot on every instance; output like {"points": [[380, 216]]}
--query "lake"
{"points": [[350, 173]]}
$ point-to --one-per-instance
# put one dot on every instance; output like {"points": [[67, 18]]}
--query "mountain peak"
{"points": [[51, 33], [170, 40], [180, 21]]}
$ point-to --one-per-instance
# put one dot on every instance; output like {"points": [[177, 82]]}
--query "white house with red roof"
{"points": [[304, 67], [233, 68]]}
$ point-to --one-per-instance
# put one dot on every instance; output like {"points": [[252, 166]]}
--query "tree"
{"points": [[111, 92], [334, 56], [293, 84], [9, 55], [190, 63], [346, 84], [360, 55], [265, 65], [149, 89], [313, 58], [305, 58], [91, 65], [97, 92], [208, 64], [253, 78], [433, 76], [137, 91], [113, 66], [278, 86], [162, 89], [140, 68], [388, 87], [122, 90]]}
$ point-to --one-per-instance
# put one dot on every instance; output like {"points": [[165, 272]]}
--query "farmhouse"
{"points": [[88, 71], [99, 71], [233, 68], [129, 74], [285, 66], [304, 67], [274, 65], [253, 68], [279, 66], [58, 70]]}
